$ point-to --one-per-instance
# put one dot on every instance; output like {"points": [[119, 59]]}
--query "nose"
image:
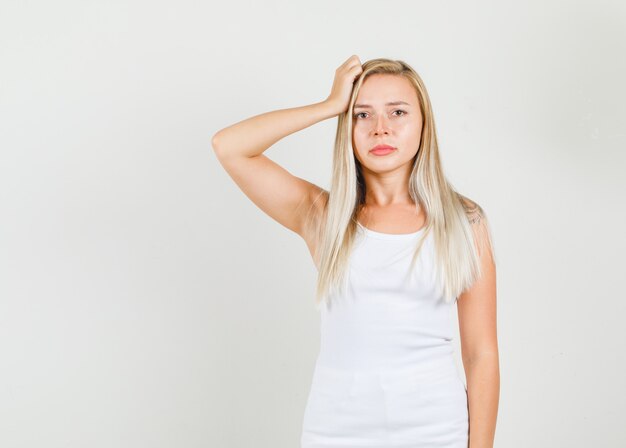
{"points": [[380, 126]]}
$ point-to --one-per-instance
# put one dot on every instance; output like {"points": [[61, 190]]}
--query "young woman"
{"points": [[395, 247]]}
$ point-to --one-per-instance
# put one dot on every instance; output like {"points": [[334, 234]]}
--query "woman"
{"points": [[395, 247]]}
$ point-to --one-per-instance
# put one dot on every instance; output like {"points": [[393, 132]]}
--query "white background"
{"points": [[146, 302]]}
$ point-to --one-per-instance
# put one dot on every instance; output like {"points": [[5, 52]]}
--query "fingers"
{"points": [[355, 70], [350, 63], [356, 66]]}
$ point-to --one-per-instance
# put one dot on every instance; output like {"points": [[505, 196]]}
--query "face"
{"points": [[386, 112]]}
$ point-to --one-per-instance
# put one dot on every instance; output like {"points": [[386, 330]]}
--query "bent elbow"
{"points": [[215, 142]]}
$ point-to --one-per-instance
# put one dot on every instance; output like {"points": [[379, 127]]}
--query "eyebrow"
{"points": [[393, 103]]}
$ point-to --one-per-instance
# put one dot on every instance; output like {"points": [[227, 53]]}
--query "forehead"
{"points": [[379, 89]]}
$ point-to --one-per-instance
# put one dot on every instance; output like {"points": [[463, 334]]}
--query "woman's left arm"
{"points": [[479, 346]]}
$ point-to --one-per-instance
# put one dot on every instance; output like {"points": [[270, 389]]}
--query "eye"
{"points": [[397, 110]]}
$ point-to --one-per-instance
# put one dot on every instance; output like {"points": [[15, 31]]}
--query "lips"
{"points": [[382, 147], [381, 150]]}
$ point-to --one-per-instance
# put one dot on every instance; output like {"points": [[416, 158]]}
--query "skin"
{"points": [[476, 308]]}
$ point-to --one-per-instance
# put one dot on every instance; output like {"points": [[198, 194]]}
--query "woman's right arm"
{"points": [[251, 137], [239, 148]]}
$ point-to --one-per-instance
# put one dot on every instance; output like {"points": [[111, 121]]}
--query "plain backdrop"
{"points": [[146, 302]]}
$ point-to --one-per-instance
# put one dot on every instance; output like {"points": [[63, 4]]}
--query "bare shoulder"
{"points": [[474, 212], [480, 225]]}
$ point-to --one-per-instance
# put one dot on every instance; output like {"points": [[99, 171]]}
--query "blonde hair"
{"points": [[459, 225]]}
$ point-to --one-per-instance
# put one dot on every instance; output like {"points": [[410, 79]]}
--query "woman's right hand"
{"points": [[345, 75]]}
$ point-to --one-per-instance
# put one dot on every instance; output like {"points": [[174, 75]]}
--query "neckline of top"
{"points": [[389, 236]]}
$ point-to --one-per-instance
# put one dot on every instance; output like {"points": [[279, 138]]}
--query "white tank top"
{"points": [[387, 320], [385, 375]]}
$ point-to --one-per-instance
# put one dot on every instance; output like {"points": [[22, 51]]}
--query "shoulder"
{"points": [[477, 218], [474, 212]]}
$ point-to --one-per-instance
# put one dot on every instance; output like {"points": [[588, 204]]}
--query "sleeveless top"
{"points": [[385, 375], [389, 318]]}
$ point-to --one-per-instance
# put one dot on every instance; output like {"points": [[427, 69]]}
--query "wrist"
{"points": [[332, 108]]}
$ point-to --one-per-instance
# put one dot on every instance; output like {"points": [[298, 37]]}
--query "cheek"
{"points": [[409, 132], [406, 128], [359, 136]]}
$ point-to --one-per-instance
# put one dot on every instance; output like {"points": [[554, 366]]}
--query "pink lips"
{"points": [[381, 150]]}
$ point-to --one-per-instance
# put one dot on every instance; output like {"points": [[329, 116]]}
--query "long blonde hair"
{"points": [[460, 227]]}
